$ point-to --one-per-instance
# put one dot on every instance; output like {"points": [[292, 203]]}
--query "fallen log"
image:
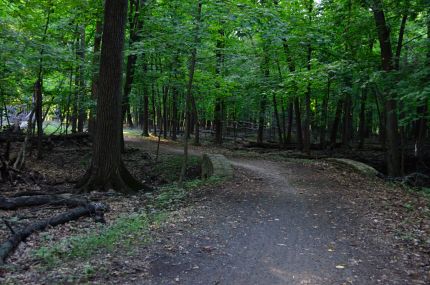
{"points": [[30, 201], [7, 248]]}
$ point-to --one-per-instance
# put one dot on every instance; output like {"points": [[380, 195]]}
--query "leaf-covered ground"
{"points": [[279, 221]]}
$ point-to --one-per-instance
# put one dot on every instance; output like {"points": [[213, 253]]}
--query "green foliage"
{"points": [[171, 195], [123, 232]]}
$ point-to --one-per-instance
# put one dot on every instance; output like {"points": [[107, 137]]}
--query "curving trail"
{"points": [[276, 223]]}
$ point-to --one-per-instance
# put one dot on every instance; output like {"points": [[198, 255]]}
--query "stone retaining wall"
{"points": [[216, 165]]}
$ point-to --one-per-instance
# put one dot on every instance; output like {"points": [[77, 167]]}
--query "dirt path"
{"points": [[260, 229]]}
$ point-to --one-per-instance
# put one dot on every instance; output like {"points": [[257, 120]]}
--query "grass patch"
{"points": [[171, 195], [122, 233]]}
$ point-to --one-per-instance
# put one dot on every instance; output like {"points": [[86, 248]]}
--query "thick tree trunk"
{"points": [[107, 170], [392, 131]]}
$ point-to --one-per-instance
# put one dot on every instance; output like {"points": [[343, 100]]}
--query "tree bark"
{"points": [[290, 122], [38, 113], [136, 23], [392, 128], [263, 99], [218, 120], [95, 76], [107, 170], [188, 99], [336, 122], [362, 126], [81, 80], [324, 114], [278, 120]]}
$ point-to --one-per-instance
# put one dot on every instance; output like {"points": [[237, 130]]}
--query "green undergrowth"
{"points": [[170, 196], [126, 231], [123, 233]]}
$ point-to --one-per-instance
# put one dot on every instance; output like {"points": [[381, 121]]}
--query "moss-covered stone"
{"points": [[216, 165]]}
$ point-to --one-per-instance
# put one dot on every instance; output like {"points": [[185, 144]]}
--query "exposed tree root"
{"points": [[120, 180], [7, 248]]}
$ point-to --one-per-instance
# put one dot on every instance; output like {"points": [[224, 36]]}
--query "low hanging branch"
{"points": [[7, 248]]}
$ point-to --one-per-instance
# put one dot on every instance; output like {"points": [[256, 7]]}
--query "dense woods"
{"points": [[313, 74], [297, 106], [304, 74]]}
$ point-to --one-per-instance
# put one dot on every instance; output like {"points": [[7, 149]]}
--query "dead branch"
{"points": [[38, 200], [7, 248]]}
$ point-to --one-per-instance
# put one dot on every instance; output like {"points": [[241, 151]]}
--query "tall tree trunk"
{"points": [[196, 121], [145, 122], [165, 124], [38, 112], [81, 79], [362, 126], [296, 100], [218, 120], [290, 121], [189, 99], [392, 128], [400, 41], [39, 87], [299, 133], [175, 95], [263, 99], [135, 23], [307, 122], [324, 114], [107, 171], [336, 122], [154, 109], [278, 120], [423, 112], [347, 119], [95, 74]]}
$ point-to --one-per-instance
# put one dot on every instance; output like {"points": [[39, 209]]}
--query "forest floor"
{"points": [[279, 221]]}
